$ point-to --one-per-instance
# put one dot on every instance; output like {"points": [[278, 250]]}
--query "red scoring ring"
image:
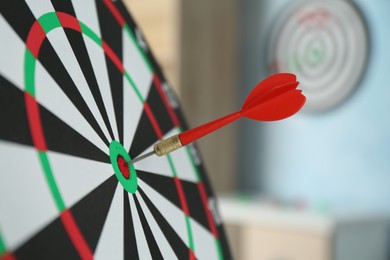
{"points": [[124, 170], [123, 167]]}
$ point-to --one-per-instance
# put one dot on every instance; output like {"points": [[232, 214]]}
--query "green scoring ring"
{"points": [[130, 184]]}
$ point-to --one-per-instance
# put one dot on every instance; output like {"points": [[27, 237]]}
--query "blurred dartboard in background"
{"points": [[326, 44]]}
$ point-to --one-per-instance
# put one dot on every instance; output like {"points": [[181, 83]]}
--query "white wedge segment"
{"points": [[23, 191], [99, 65], [136, 66], [174, 216], [182, 162], [76, 177], [205, 243], [86, 12], [154, 163], [165, 248], [51, 96], [110, 243], [12, 51], [132, 111], [62, 47], [142, 244]]}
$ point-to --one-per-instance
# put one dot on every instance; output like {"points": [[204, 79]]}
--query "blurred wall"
{"points": [[340, 158], [209, 80], [160, 24], [195, 44]]}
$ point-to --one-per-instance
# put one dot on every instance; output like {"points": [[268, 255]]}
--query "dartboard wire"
{"points": [[121, 21], [39, 141]]}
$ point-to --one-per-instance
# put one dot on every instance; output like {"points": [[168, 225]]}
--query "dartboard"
{"points": [[326, 44], [80, 96]]}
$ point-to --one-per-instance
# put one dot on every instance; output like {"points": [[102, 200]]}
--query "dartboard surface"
{"points": [[326, 44], [80, 95]]}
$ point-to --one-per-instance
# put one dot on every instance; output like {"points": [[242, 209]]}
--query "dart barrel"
{"points": [[168, 145], [325, 43]]}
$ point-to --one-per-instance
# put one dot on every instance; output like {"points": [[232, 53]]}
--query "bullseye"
{"points": [[325, 43], [123, 167], [75, 75], [125, 173]]}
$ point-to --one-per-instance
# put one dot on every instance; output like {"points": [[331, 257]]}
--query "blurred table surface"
{"points": [[261, 230]]}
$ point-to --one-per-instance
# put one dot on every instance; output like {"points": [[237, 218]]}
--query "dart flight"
{"points": [[80, 95], [274, 98]]}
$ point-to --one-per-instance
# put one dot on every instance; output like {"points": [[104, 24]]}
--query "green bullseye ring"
{"points": [[129, 184]]}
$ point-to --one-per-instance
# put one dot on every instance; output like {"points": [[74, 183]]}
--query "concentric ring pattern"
{"points": [[76, 76], [326, 44]]}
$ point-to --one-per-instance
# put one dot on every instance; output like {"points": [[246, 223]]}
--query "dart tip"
{"points": [[139, 158]]}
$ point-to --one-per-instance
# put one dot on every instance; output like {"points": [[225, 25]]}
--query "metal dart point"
{"points": [[161, 148]]}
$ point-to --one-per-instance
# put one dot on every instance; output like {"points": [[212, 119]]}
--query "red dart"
{"points": [[274, 98]]}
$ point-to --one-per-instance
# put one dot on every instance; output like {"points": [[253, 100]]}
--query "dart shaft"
{"points": [[274, 98], [196, 133], [177, 141]]}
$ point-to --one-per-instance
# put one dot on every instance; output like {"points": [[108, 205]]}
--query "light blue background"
{"points": [[340, 158]]}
